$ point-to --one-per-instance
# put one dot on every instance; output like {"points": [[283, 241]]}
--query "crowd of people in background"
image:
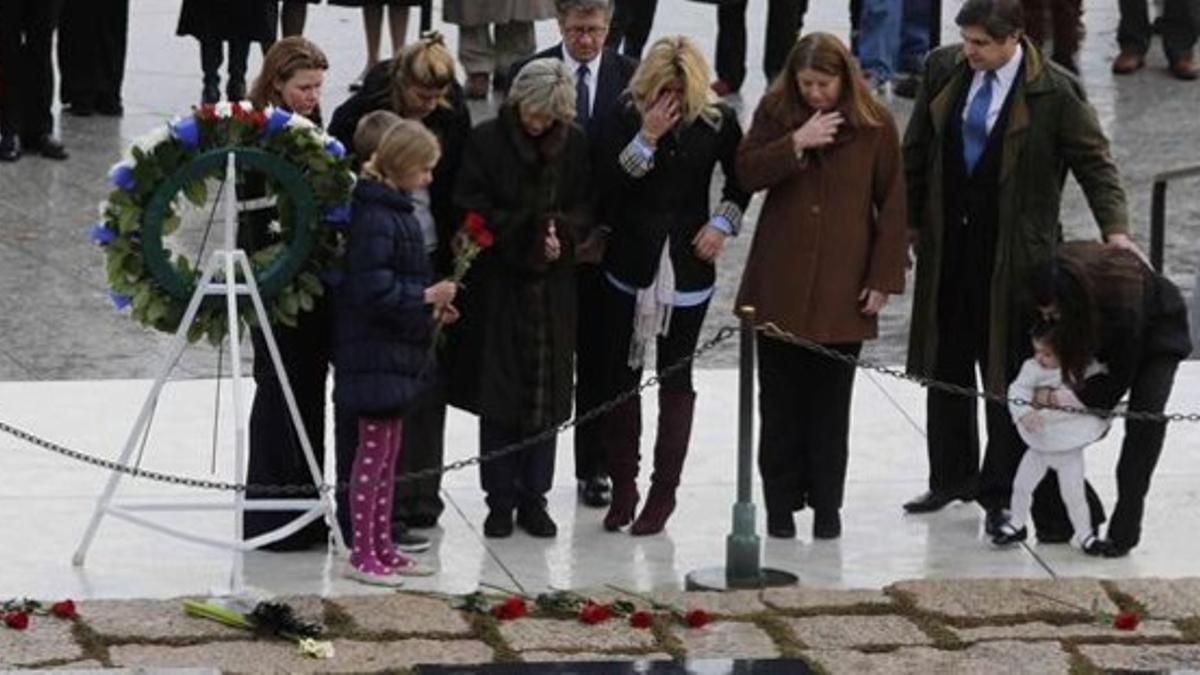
{"points": [[594, 179]]}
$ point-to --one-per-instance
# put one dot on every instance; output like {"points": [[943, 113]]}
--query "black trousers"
{"points": [[683, 333], [785, 18], [1180, 24], [212, 55], [804, 402], [276, 456], [424, 447], [92, 38], [589, 371], [519, 480], [630, 26], [26, 33]]}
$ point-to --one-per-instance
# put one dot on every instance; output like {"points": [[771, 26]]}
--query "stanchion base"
{"points": [[715, 579]]}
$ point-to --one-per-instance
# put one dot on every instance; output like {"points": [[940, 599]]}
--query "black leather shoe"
{"points": [[498, 524], [1094, 546], [536, 522], [10, 149], [595, 492], [211, 93], [929, 502], [110, 107], [80, 109], [420, 521], [49, 147], [1009, 535], [1111, 549], [781, 525], [994, 521], [827, 524]]}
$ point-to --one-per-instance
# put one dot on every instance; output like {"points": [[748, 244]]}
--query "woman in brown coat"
{"points": [[828, 251]]}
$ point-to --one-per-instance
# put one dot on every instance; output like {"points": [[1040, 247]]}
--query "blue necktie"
{"points": [[975, 131], [583, 103]]}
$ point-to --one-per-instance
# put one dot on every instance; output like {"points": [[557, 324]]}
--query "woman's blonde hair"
{"points": [[283, 60], [424, 63], [406, 146], [544, 87], [675, 59], [824, 53]]}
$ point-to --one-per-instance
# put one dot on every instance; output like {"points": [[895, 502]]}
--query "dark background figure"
{"points": [[237, 22], [1179, 25], [492, 36], [785, 18], [893, 40], [582, 24], [630, 28], [1065, 21], [526, 172], [293, 14], [26, 121], [985, 202], [420, 84], [92, 38], [1109, 305]]}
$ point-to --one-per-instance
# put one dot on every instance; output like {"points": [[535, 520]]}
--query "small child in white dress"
{"points": [[1056, 440]]}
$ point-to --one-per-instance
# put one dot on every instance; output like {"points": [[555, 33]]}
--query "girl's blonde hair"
{"points": [[283, 60], [544, 87], [407, 146], [370, 130], [424, 63], [824, 53], [675, 59]]}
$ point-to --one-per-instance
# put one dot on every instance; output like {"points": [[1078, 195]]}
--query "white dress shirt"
{"points": [[1005, 76]]}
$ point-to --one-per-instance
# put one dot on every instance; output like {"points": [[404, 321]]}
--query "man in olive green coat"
{"points": [[994, 130]]}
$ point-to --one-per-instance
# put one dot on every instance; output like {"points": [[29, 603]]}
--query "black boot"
{"points": [[211, 56], [239, 55]]}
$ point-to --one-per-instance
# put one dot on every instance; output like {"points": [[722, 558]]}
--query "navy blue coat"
{"points": [[383, 325]]}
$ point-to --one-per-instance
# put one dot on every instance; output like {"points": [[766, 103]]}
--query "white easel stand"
{"points": [[229, 260]]}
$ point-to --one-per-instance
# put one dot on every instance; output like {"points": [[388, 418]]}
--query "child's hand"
{"points": [[442, 293], [1031, 421], [553, 245]]}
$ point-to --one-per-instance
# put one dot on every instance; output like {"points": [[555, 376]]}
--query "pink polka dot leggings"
{"points": [[374, 478]]}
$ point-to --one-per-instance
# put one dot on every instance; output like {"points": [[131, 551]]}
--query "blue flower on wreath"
{"points": [[187, 132], [339, 214], [102, 234], [122, 177], [119, 300], [334, 147], [278, 121]]}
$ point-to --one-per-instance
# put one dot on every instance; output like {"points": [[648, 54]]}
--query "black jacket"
{"points": [[450, 124], [383, 324], [519, 309], [671, 199]]}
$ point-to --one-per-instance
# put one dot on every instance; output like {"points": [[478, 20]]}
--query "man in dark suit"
{"points": [[26, 34], [601, 74]]}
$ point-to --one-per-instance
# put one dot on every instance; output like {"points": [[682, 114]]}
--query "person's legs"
{"points": [[372, 14], [1133, 31], [879, 39], [1066, 17], [476, 52], [1029, 473], [498, 477], [11, 53], [515, 41], [114, 45], [782, 435], [397, 26], [623, 425], [367, 479], [827, 448], [212, 55], [731, 45], [914, 36], [589, 386], [41, 20], [785, 18], [1179, 29], [419, 502], [1069, 466], [239, 58], [637, 30], [293, 17], [952, 431]]}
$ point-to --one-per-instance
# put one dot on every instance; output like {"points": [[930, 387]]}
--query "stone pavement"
{"points": [[1000, 626]]}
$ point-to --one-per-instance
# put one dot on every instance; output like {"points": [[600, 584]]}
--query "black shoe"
{"points": [[1094, 546], [49, 147], [421, 521], [79, 109], [498, 524], [994, 521], [827, 524], [1111, 549], [905, 86], [235, 89], [110, 107], [10, 149], [536, 522], [1009, 535], [933, 501], [210, 94], [781, 525], [595, 492]]}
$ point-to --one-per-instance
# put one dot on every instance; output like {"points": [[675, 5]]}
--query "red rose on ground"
{"points": [[592, 613], [641, 619], [17, 620], [513, 607], [697, 618], [64, 609], [1126, 621]]}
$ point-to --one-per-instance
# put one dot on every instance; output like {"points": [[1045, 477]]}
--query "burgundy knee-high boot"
{"points": [[622, 433], [675, 410]]}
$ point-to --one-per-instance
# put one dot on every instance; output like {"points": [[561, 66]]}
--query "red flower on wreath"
{"points": [[207, 112], [64, 609], [697, 618], [17, 620], [513, 607], [1126, 621], [593, 613], [641, 619]]}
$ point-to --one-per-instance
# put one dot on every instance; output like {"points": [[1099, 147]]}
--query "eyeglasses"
{"points": [[589, 31]]}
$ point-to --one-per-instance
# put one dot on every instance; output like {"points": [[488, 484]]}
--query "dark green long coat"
{"points": [[1051, 129]]}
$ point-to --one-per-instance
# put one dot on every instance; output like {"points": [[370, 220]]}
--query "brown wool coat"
{"points": [[833, 223]]}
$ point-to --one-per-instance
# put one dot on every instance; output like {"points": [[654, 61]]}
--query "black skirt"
{"points": [[253, 20], [361, 3]]}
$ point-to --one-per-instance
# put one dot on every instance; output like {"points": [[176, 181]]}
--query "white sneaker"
{"points": [[412, 568], [371, 579]]}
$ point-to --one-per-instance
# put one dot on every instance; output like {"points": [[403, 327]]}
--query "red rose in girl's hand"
{"points": [[697, 618], [592, 613], [1126, 621], [17, 620], [641, 619], [64, 609]]}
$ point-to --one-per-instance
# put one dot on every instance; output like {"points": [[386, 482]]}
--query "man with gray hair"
{"points": [[601, 74], [995, 128]]}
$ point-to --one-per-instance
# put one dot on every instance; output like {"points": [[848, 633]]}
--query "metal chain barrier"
{"points": [[722, 334]]}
